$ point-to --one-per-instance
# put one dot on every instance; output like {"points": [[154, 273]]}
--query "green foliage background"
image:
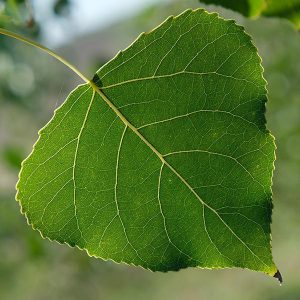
{"points": [[32, 268], [288, 9]]}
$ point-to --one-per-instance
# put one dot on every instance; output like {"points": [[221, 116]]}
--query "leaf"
{"points": [[248, 8], [289, 9], [163, 160], [13, 156]]}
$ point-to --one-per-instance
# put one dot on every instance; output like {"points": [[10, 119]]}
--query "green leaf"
{"points": [[248, 8], [13, 156], [163, 160], [289, 9]]}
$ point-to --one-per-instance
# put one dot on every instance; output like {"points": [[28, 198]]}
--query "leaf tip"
{"points": [[278, 276]]}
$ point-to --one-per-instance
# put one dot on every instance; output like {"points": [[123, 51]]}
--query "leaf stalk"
{"points": [[45, 49]]}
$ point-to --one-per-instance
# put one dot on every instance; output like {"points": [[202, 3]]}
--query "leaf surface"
{"points": [[163, 160], [289, 9]]}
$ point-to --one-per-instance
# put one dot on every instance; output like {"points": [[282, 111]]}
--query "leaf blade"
{"points": [[145, 167]]}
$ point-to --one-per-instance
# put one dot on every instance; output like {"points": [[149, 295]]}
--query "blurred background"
{"points": [[32, 85]]}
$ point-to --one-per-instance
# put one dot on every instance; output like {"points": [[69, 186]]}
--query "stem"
{"points": [[45, 49]]}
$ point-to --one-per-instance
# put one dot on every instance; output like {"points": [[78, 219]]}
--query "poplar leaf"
{"points": [[163, 160]]}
